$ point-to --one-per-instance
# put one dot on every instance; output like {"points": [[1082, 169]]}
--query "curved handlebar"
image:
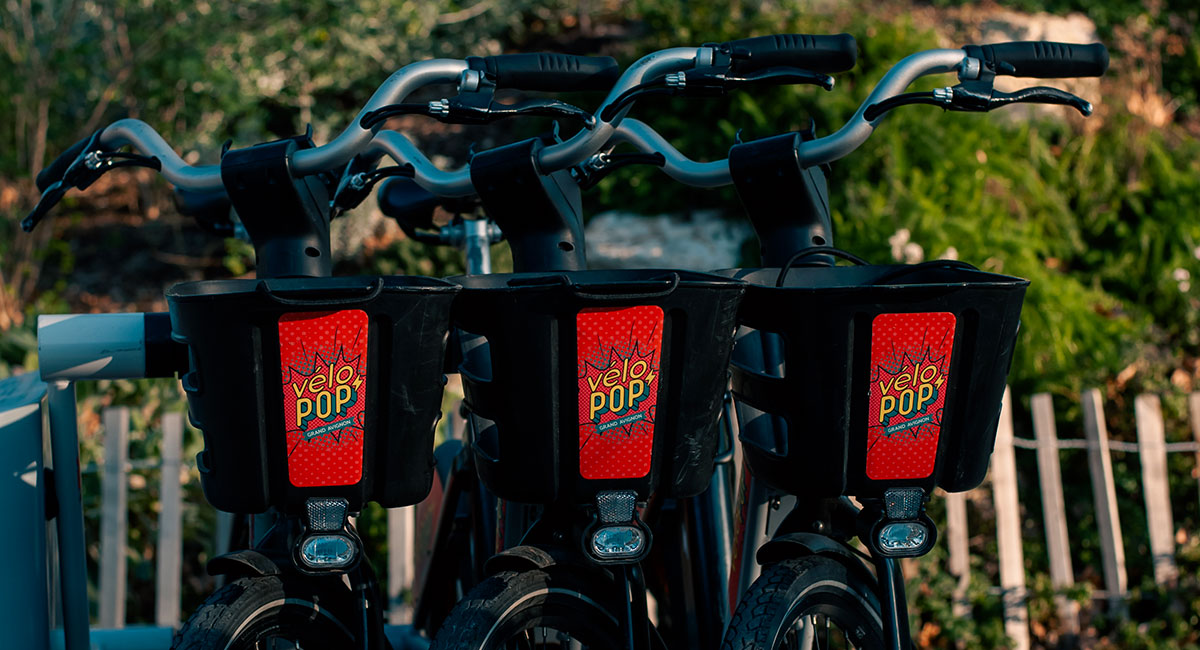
{"points": [[837, 145], [333, 155]]}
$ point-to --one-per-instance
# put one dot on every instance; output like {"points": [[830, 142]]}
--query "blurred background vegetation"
{"points": [[1101, 214]]}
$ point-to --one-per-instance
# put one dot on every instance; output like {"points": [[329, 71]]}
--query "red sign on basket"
{"points": [[324, 363], [910, 368], [619, 354]]}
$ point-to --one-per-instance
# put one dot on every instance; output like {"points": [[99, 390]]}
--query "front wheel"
{"points": [[805, 604], [269, 613], [543, 609]]}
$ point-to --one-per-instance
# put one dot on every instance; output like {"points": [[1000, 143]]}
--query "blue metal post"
{"points": [[64, 444], [24, 599]]}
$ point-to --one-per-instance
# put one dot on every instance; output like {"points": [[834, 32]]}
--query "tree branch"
{"points": [[463, 15]]}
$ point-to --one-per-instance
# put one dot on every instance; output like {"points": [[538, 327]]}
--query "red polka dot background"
{"points": [[619, 354], [910, 366], [323, 358]]}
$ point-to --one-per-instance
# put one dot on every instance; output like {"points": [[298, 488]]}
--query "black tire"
{"points": [[554, 607], [814, 589], [270, 613]]}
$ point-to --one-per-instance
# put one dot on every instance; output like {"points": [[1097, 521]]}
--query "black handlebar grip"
{"points": [[1043, 59], [817, 53], [548, 71], [55, 170]]}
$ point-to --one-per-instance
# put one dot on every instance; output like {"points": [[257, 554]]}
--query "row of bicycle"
{"points": [[595, 500]]}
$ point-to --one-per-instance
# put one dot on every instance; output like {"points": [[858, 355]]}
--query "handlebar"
{"points": [[1061, 59], [333, 155]]}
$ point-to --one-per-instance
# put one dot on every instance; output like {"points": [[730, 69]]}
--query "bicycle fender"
{"points": [[246, 562], [796, 545], [529, 558]]}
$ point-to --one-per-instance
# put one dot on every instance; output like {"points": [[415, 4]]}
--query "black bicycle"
{"points": [[878, 382]]}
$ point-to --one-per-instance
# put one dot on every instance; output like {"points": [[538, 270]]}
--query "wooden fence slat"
{"points": [[1153, 453], [1194, 418], [113, 518], [959, 565], [1104, 491], [170, 524], [1008, 531], [401, 525], [1054, 510]]}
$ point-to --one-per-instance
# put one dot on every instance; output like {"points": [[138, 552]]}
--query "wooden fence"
{"points": [[115, 469], [1151, 447]]}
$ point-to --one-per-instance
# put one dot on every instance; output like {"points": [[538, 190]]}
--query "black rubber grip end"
{"points": [[1043, 59], [818, 53], [549, 71], [55, 170]]}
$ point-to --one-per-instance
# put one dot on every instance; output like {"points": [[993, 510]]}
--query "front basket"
{"points": [[595, 380], [314, 387], [892, 376]]}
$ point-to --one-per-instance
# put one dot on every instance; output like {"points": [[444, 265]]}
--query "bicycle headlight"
{"points": [[618, 542], [902, 537], [328, 551]]}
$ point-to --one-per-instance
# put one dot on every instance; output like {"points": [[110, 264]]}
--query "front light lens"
{"points": [[328, 551], [903, 537], [618, 542]]}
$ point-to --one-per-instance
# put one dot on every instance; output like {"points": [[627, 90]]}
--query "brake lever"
{"points": [[980, 96], [49, 199], [717, 80], [458, 111], [90, 165], [1042, 95]]}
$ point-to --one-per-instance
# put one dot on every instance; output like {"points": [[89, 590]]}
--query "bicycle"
{"points": [[319, 450]]}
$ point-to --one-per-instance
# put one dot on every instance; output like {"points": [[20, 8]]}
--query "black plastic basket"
{"points": [[595, 380], [314, 387], [892, 375]]}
